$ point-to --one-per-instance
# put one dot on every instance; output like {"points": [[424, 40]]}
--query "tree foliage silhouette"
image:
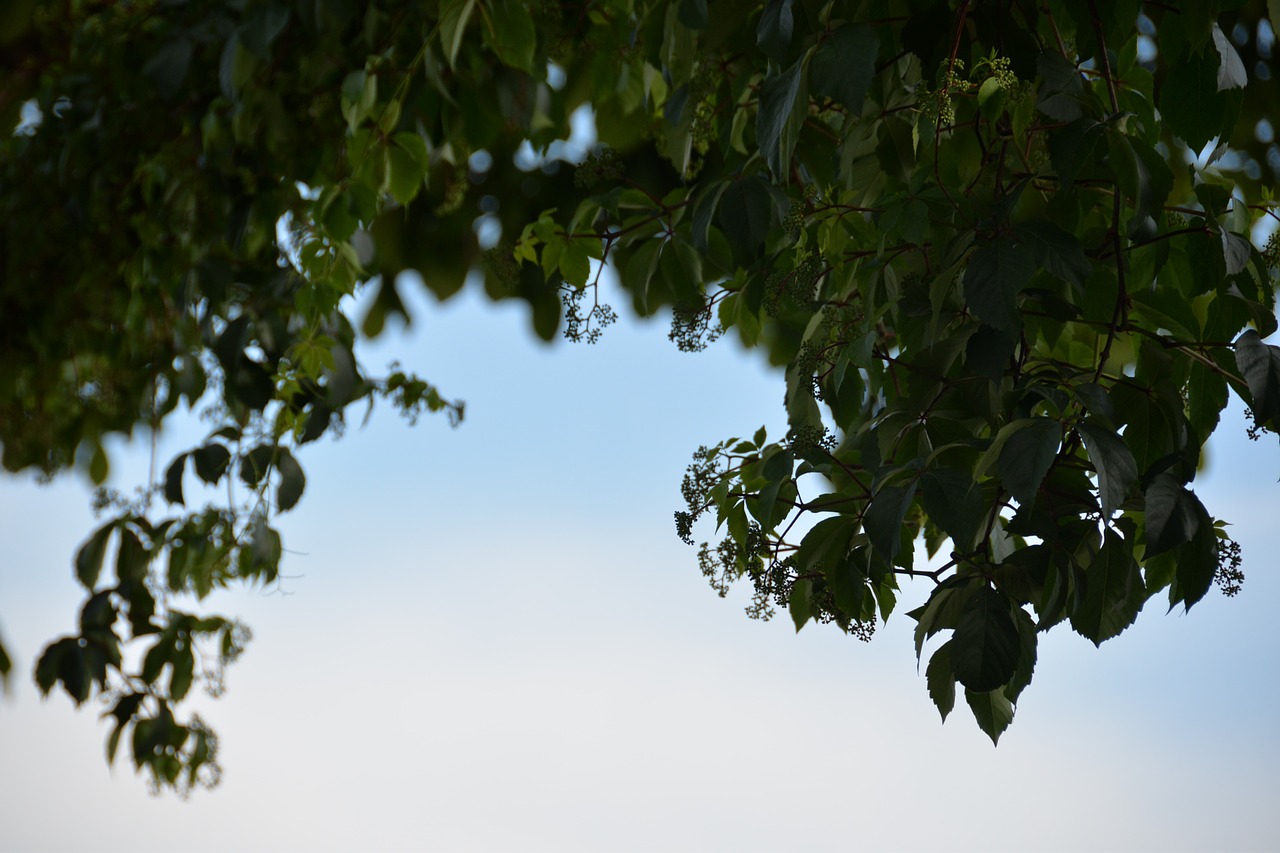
{"points": [[1004, 250]]}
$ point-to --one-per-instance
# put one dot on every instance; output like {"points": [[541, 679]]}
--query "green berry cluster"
{"points": [[804, 438], [797, 288], [1255, 430], [1271, 252], [701, 476], [1228, 576], [602, 167], [800, 210], [694, 327], [589, 326], [937, 106]]}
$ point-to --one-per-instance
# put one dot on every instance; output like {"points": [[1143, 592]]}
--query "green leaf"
{"points": [[783, 108], [1231, 73], [404, 174], [1058, 252], [1114, 462], [255, 464], [1197, 562], [131, 560], [1026, 457], [746, 216], [454, 15], [883, 519], [798, 603], [775, 30], [292, 480], [1236, 251], [1114, 592], [211, 462], [996, 274], [992, 710], [985, 646], [1259, 364], [512, 35], [1189, 101], [693, 14], [843, 66], [99, 467], [953, 499], [173, 480], [1029, 638], [1171, 517], [575, 265], [183, 669], [89, 557], [167, 69], [941, 681]]}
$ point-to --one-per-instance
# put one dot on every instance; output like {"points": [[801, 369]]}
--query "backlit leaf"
{"points": [[985, 646]]}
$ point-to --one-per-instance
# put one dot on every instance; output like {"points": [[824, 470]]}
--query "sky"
{"points": [[490, 638]]}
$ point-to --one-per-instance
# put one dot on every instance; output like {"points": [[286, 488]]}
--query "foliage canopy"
{"points": [[1004, 250]]}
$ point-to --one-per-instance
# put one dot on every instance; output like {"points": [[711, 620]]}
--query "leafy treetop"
{"points": [[1002, 248]]}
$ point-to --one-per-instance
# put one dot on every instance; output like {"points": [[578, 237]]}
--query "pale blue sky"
{"points": [[493, 640]]}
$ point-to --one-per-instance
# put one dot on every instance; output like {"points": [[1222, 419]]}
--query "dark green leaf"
{"points": [[1057, 251], [775, 30], [1189, 100], [292, 480], [954, 501], [992, 710], [1114, 592], [783, 107], [511, 34], [255, 464], [798, 603], [173, 480], [996, 274], [693, 14], [746, 214], [985, 646], [183, 670], [1026, 457], [883, 519], [89, 557], [1112, 459], [211, 462], [1029, 638], [1171, 517], [941, 681], [1197, 562], [131, 559], [1259, 363], [844, 65], [167, 69]]}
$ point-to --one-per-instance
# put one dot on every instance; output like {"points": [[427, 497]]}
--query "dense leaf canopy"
{"points": [[1010, 253]]}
